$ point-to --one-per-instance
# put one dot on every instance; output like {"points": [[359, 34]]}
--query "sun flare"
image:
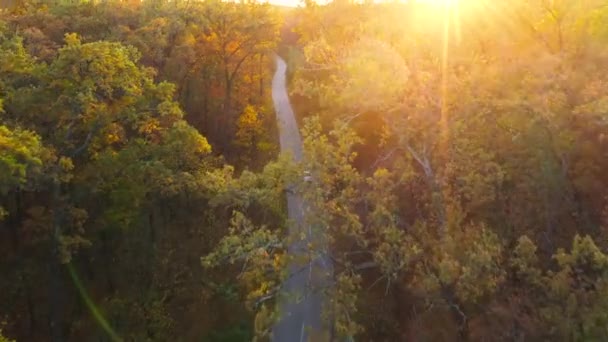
{"points": [[446, 3]]}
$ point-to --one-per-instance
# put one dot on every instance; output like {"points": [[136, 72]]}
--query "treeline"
{"points": [[117, 120], [458, 155]]}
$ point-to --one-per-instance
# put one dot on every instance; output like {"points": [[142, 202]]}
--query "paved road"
{"points": [[302, 299]]}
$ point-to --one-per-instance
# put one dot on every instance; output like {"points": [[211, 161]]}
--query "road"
{"points": [[300, 308]]}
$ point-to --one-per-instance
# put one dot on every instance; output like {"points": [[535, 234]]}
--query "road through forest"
{"points": [[301, 295]]}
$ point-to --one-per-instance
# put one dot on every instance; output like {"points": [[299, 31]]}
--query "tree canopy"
{"points": [[452, 168]]}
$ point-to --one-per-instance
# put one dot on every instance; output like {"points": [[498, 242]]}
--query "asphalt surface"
{"points": [[301, 300]]}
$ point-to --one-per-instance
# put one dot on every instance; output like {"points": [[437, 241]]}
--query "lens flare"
{"points": [[97, 315]]}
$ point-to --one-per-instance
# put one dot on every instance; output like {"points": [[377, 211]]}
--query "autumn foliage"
{"points": [[455, 151]]}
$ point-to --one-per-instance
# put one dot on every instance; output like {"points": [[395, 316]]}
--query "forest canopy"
{"points": [[452, 169]]}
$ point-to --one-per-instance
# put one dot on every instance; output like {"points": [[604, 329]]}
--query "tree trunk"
{"points": [[107, 256], [227, 116], [457, 313], [152, 229], [261, 72], [31, 308], [57, 287], [14, 218]]}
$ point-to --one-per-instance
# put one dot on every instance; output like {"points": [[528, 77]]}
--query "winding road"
{"points": [[301, 300]]}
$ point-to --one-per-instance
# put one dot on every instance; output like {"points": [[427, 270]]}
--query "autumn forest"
{"points": [[452, 178]]}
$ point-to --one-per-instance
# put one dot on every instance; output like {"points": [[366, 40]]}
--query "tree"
{"points": [[236, 33], [252, 135]]}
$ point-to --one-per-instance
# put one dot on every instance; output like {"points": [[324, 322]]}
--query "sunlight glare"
{"points": [[446, 3]]}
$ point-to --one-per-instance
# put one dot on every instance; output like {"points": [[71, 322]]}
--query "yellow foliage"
{"points": [[149, 126]]}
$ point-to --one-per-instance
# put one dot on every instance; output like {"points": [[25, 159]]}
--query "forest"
{"points": [[454, 153]]}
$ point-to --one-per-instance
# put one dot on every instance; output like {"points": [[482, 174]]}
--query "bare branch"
{"points": [[385, 157], [267, 297]]}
